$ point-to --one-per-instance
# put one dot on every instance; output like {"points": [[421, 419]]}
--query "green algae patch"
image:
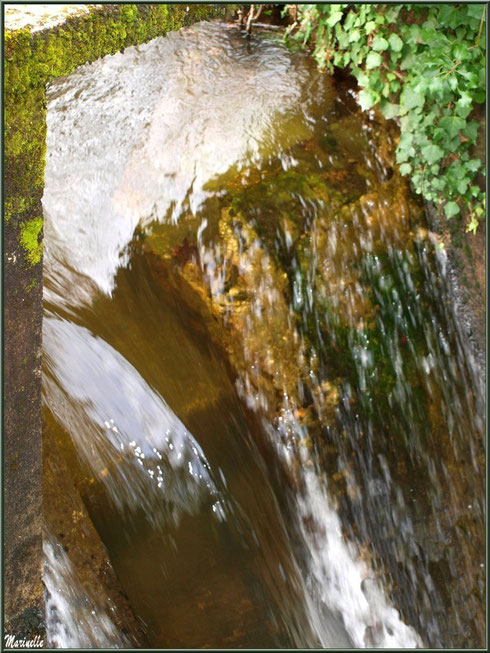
{"points": [[30, 240]]}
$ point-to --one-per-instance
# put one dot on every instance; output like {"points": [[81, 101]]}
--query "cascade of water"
{"points": [[73, 619], [276, 239], [123, 432]]}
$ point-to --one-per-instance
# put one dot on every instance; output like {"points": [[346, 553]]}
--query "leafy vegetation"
{"points": [[423, 65]]}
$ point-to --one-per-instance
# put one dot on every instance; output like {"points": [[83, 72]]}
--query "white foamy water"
{"points": [[343, 582], [73, 619], [337, 577]]}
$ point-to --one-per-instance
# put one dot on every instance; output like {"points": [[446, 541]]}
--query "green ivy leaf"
{"points": [[373, 60], [461, 32], [429, 118], [362, 78], [452, 80], [370, 26], [461, 51], [453, 144], [411, 99], [451, 209], [405, 148], [395, 86], [473, 165], [481, 78], [386, 90], [480, 97], [394, 56], [343, 39], [432, 153], [438, 134], [456, 170], [471, 130], [349, 21], [407, 62], [446, 13], [462, 186], [428, 34], [452, 125], [368, 98], [396, 44], [380, 44], [389, 110], [464, 105], [355, 36], [405, 169], [421, 139], [439, 183], [471, 76], [475, 11], [334, 18]]}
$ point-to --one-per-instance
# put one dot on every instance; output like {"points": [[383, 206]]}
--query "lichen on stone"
{"points": [[30, 239]]}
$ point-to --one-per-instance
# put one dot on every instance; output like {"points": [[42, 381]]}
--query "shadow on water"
{"points": [[251, 357]]}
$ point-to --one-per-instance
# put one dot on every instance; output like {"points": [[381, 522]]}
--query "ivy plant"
{"points": [[424, 66]]}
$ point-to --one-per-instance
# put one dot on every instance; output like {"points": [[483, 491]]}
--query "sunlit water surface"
{"points": [[250, 349]]}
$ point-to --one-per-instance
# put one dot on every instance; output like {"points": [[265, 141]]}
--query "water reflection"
{"points": [[278, 425], [162, 472]]}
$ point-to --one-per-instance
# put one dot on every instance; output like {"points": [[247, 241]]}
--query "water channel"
{"points": [[251, 360]]}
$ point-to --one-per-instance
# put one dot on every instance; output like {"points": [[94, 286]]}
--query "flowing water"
{"points": [[250, 352]]}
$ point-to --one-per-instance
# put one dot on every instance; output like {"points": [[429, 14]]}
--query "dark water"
{"points": [[251, 355]]}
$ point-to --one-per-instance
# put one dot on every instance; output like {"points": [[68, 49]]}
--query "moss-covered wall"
{"points": [[31, 60]]}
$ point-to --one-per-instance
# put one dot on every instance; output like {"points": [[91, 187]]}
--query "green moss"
{"points": [[31, 286], [30, 240], [32, 60]]}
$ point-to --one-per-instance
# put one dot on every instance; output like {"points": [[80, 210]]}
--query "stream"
{"points": [[251, 357]]}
